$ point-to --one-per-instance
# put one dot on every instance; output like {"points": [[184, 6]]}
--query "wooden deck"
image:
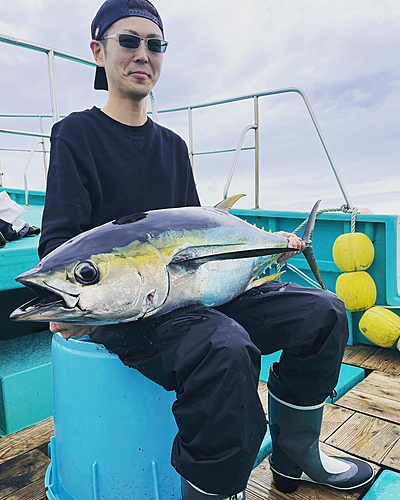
{"points": [[364, 423]]}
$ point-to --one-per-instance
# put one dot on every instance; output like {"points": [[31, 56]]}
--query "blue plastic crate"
{"points": [[113, 428]]}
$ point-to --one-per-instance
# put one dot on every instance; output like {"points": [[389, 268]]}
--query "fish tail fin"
{"points": [[307, 239], [308, 231], [309, 255]]}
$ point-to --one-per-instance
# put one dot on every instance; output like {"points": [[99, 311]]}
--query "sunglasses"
{"points": [[133, 42]]}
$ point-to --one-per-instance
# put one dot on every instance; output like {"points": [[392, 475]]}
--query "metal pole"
{"points": [[154, 114], [53, 89], [20, 132], [43, 148], [235, 160], [42, 48], [257, 154], [326, 148], [191, 150], [26, 172]]}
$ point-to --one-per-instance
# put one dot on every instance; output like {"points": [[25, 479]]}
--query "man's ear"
{"points": [[98, 52]]}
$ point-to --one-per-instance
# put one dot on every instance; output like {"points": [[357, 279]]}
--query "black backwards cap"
{"points": [[112, 11]]}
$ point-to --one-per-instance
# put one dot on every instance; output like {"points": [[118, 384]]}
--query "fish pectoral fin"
{"points": [[235, 254], [199, 251], [263, 281], [228, 203]]}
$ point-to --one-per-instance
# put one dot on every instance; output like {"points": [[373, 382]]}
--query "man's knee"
{"points": [[226, 353], [327, 306], [201, 343], [328, 318], [236, 360], [231, 341]]}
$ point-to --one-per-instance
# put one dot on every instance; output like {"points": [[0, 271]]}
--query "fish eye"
{"points": [[87, 272]]}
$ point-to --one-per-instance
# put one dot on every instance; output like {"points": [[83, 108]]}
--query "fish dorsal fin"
{"points": [[129, 219], [228, 203]]}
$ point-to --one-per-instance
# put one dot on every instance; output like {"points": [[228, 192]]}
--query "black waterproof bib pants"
{"points": [[211, 358]]}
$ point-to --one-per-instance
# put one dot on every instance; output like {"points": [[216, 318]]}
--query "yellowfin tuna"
{"points": [[151, 263]]}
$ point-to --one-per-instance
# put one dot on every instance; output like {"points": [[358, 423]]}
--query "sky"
{"points": [[342, 54]]}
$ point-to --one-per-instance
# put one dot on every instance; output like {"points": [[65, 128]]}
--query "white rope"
{"points": [[296, 270], [309, 280], [343, 208], [353, 219]]}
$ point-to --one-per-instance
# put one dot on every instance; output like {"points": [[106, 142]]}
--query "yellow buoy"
{"points": [[357, 290], [353, 252], [380, 326]]}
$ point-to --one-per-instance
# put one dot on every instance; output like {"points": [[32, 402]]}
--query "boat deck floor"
{"points": [[364, 423]]}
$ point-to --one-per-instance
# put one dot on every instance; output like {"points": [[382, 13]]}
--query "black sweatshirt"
{"points": [[101, 169]]}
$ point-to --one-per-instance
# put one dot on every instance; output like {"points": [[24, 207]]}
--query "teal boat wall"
{"points": [[18, 195], [19, 256], [386, 487], [25, 382], [383, 230], [9, 301]]}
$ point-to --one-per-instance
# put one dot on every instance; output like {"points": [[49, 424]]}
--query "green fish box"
{"points": [[25, 382]]}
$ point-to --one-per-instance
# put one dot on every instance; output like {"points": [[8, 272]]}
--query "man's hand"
{"points": [[67, 330], [294, 242]]}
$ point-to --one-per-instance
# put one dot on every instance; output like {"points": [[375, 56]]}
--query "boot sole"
{"points": [[287, 484]]}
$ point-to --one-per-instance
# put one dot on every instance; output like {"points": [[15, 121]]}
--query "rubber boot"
{"points": [[296, 455], [191, 492]]}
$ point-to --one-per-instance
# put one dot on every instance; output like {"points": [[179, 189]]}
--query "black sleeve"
{"points": [[192, 197], [68, 205]]}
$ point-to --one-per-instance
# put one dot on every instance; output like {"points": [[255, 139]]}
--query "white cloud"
{"points": [[342, 53]]}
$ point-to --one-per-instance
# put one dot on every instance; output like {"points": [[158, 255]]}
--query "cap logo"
{"points": [[96, 33]]}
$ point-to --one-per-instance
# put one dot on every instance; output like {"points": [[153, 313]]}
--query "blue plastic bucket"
{"points": [[113, 429]]}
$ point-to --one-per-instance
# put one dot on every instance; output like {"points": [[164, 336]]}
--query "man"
{"points": [[112, 162]]}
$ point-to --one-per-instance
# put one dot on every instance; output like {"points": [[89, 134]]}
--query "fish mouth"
{"points": [[50, 304]]}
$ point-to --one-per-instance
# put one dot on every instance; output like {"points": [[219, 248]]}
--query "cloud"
{"points": [[343, 54]]}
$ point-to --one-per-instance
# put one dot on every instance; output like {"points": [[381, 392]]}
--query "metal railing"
{"points": [[42, 136], [52, 53], [255, 97]]}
